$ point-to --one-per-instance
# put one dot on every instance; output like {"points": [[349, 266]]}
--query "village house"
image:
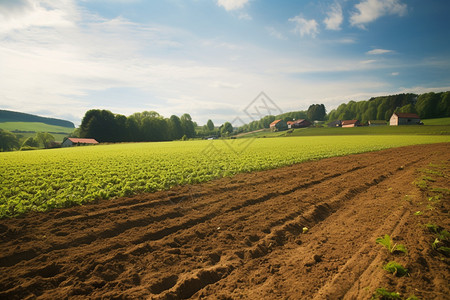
{"points": [[70, 142], [404, 119], [278, 125], [350, 123], [300, 123]]}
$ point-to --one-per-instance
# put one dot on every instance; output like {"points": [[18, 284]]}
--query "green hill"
{"points": [[13, 116], [31, 127]]}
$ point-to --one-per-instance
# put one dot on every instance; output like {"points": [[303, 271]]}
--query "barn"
{"points": [[70, 142], [350, 123], [301, 123], [278, 125], [404, 119]]}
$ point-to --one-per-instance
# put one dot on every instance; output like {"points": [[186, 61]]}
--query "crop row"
{"points": [[47, 179]]}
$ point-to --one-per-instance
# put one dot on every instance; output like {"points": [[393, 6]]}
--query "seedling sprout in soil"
{"points": [[383, 294], [396, 269], [386, 241]]}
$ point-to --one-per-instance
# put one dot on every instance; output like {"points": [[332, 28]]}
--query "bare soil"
{"points": [[242, 237]]}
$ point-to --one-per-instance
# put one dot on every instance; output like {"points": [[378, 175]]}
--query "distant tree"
{"points": [[8, 141], [409, 108], [133, 132], [210, 125], [187, 125], [444, 105], [45, 139], [316, 112], [122, 134], [175, 128], [30, 142], [427, 105], [226, 129]]}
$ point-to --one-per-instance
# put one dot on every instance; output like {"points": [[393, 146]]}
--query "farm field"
{"points": [[47, 179], [438, 129], [243, 237]]}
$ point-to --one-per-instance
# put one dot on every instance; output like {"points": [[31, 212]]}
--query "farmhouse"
{"points": [[278, 125], [70, 142], [350, 123], [301, 123], [404, 119]]}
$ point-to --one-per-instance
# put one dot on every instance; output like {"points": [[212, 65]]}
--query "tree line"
{"points": [[427, 106], [147, 126]]}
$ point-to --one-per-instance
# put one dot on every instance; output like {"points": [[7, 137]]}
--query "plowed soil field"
{"points": [[243, 236]]}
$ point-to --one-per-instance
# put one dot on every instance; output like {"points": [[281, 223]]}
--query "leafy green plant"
{"points": [[396, 269], [387, 242], [412, 297], [383, 294], [441, 241]]}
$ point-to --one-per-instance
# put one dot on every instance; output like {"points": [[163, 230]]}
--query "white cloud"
{"points": [[275, 33], [370, 10], [305, 27], [395, 73], [335, 17], [232, 4], [378, 51]]}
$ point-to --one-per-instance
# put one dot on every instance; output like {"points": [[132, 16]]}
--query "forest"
{"points": [[427, 106]]}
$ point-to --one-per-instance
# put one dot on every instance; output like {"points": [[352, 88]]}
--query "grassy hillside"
{"points": [[439, 121], [35, 127], [14, 116]]}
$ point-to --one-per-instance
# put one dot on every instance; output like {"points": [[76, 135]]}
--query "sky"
{"points": [[213, 58]]}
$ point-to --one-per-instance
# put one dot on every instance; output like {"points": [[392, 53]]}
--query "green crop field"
{"points": [[44, 179]]}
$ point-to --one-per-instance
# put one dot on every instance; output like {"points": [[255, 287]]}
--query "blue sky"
{"points": [[211, 58]]}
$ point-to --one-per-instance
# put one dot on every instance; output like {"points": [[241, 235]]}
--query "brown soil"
{"points": [[242, 237]]}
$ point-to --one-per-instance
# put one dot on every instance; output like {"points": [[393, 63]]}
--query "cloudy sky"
{"points": [[211, 58]]}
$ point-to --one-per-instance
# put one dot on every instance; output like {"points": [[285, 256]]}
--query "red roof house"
{"points": [[350, 123], [278, 125], [301, 123], [78, 141]]}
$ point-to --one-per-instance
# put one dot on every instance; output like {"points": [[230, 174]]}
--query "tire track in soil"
{"points": [[225, 236]]}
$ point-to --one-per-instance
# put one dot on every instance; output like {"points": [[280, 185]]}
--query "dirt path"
{"points": [[242, 237]]}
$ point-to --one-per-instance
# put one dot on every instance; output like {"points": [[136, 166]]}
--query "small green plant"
{"points": [[396, 269], [383, 294], [418, 213], [433, 228], [441, 241], [387, 242], [412, 297]]}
